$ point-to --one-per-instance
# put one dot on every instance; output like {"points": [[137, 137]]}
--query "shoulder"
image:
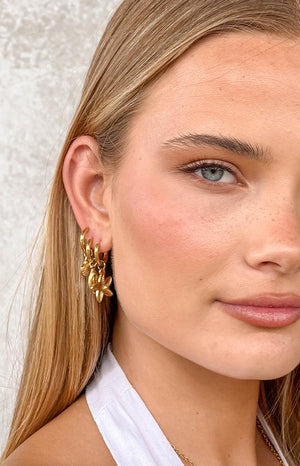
{"points": [[72, 438]]}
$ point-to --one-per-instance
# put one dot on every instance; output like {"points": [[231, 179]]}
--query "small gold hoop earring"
{"points": [[93, 267]]}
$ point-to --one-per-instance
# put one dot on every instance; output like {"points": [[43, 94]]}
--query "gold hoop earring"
{"points": [[94, 267]]}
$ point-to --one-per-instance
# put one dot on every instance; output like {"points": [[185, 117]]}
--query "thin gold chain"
{"points": [[263, 434], [185, 458], [267, 441]]}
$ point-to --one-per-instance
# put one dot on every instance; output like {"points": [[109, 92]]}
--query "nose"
{"points": [[274, 240]]}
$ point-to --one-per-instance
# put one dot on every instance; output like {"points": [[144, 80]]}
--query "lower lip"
{"points": [[263, 316]]}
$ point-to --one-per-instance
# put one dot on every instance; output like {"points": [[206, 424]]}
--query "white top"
{"points": [[128, 428]]}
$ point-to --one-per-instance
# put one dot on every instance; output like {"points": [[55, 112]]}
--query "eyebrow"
{"points": [[256, 152]]}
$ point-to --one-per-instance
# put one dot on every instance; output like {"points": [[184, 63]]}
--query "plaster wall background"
{"points": [[45, 50]]}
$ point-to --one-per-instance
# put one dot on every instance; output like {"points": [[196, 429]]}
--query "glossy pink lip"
{"points": [[265, 310], [268, 300]]}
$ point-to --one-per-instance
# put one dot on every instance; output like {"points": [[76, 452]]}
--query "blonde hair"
{"points": [[69, 331]]}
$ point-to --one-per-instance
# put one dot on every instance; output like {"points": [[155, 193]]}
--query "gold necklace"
{"points": [[263, 434], [185, 458], [268, 441]]}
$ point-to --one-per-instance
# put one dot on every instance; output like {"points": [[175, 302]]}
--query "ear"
{"points": [[88, 188]]}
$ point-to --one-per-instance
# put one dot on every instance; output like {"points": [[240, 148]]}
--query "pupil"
{"points": [[212, 174]]}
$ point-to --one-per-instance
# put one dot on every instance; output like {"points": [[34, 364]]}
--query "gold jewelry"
{"points": [[263, 434], [185, 458], [94, 267], [267, 441]]}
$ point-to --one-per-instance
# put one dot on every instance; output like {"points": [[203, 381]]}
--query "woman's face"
{"points": [[185, 238]]}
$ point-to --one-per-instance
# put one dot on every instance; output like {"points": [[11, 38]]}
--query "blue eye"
{"points": [[211, 171]]}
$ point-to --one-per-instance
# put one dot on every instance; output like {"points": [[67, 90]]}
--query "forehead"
{"points": [[233, 60], [225, 80]]}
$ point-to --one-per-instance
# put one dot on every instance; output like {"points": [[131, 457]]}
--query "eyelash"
{"points": [[193, 167]]}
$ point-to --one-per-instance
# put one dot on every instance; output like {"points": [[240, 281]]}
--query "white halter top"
{"points": [[128, 428]]}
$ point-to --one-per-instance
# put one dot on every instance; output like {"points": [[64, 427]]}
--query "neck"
{"points": [[204, 414]]}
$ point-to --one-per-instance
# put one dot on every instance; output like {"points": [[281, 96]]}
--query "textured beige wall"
{"points": [[45, 48]]}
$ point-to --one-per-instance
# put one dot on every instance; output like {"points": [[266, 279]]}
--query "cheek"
{"points": [[167, 237], [161, 226]]}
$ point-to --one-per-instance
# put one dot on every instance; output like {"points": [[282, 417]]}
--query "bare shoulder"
{"points": [[72, 438]]}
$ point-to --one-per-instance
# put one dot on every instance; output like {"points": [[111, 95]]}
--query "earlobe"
{"points": [[86, 185]]}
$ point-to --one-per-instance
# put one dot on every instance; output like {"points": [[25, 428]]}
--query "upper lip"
{"points": [[268, 300]]}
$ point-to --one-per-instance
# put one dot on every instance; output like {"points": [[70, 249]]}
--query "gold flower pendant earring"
{"points": [[94, 268]]}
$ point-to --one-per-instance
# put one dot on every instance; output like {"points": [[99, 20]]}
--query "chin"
{"points": [[259, 371], [262, 356], [254, 362]]}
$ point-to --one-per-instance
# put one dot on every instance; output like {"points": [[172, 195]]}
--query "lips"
{"points": [[265, 311], [268, 300]]}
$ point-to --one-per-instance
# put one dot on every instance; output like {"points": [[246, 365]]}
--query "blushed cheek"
{"points": [[161, 231]]}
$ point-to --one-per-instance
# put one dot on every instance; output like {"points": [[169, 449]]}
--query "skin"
{"points": [[180, 242]]}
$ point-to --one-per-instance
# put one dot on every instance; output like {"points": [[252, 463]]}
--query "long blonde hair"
{"points": [[69, 330]]}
